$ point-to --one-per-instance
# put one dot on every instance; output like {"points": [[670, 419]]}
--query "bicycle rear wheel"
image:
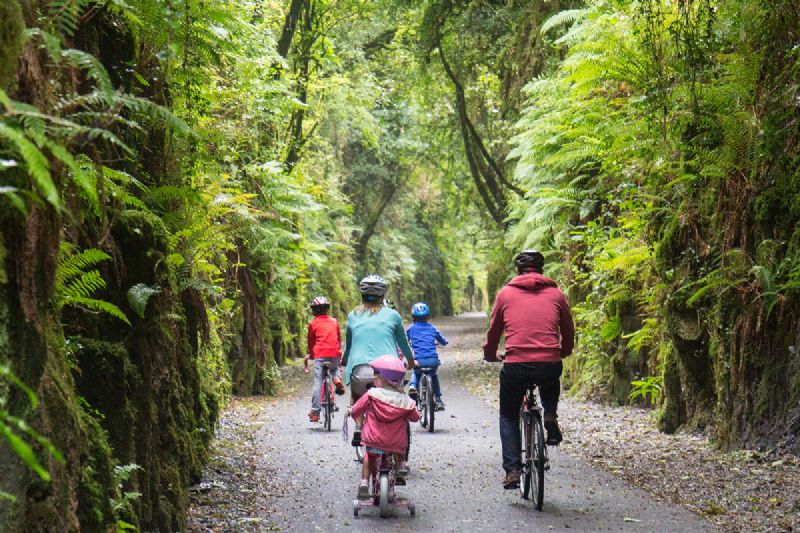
{"points": [[328, 404], [539, 459], [525, 427], [431, 401], [423, 401]]}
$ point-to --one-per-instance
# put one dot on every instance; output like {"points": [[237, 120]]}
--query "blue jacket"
{"points": [[423, 336]]}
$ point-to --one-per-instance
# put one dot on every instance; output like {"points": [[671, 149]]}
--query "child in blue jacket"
{"points": [[423, 337]]}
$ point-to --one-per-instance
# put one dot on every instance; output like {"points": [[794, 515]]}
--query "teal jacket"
{"points": [[369, 336]]}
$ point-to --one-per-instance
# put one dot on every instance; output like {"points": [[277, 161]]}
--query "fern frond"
{"points": [[71, 265], [100, 306], [139, 295], [37, 166], [563, 18], [83, 286], [94, 69]]}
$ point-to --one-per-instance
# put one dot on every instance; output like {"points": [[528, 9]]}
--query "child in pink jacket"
{"points": [[384, 411]]}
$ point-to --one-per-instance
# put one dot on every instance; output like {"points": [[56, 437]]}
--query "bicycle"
{"points": [[534, 449], [425, 399], [326, 397], [382, 494]]}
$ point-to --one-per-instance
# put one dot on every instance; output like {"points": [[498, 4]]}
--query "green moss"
{"points": [[12, 38]]}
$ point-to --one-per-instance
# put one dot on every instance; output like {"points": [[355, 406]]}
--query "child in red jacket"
{"points": [[385, 411], [324, 346]]}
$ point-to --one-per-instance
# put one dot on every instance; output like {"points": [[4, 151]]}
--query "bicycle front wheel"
{"points": [[383, 498], [538, 463], [525, 426]]}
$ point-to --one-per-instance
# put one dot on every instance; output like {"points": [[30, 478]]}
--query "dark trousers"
{"points": [[514, 378]]}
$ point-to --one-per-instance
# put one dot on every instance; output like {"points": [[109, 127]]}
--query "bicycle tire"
{"points": [[328, 403], [423, 401], [525, 434], [383, 496], [431, 404], [537, 465], [408, 447]]}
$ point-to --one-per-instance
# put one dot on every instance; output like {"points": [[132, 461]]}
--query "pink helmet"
{"points": [[389, 367]]}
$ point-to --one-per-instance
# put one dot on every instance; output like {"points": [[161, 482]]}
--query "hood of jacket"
{"points": [[532, 281], [392, 404]]}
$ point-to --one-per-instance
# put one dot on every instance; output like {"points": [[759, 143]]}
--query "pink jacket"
{"points": [[535, 317], [388, 412]]}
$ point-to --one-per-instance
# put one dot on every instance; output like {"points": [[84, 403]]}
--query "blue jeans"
{"points": [[514, 378], [437, 391], [333, 362]]}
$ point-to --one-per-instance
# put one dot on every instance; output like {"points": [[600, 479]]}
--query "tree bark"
{"points": [[289, 26]]}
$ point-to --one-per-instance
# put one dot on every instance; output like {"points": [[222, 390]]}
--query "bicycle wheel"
{"points": [[328, 404], [431, 401], [423, 401], [525, 471], [408, 449], [537, 465], [383, 497]]}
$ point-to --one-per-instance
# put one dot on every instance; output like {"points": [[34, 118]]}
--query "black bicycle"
{"points": [[425, 399], [326, 397], [534, 449]]}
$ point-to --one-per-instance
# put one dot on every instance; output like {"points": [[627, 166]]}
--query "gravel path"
{"points": [[284, 474]]}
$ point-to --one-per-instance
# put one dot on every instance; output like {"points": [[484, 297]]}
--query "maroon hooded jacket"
{"points": [[535, 317]]}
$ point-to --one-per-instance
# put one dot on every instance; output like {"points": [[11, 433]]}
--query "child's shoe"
{"points": [[439, 405], [412, 393], [313, 417], [363, 492], [337, 382]]}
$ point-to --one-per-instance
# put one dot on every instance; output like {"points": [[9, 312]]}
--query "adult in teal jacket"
{"points": [[372, 330]]}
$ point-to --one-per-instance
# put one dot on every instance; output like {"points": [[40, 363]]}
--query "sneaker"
{"points": [[511, 481], [438, 405], [356, 438], [313, 417], [412, 393], [403, 470], [339, 386], [363, 492], [554, 436]]}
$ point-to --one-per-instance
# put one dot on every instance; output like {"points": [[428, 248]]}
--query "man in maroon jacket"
{"points": [[534, 315]]}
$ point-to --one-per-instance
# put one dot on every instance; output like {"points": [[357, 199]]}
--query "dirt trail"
{"points": [[296, 477]]}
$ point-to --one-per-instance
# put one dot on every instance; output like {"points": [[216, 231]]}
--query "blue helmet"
{"points": [[420, 309]]}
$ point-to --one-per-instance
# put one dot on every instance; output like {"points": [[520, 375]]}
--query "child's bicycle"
{"points": [[382, 494], [326, 401], [425, 399]]}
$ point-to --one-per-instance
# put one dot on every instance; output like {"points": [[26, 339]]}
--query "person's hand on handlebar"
{"points": [[493, 357]]}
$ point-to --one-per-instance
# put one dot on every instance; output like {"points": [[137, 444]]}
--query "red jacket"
{"points": [[324, 337], [535, 317], [385, 426]]}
